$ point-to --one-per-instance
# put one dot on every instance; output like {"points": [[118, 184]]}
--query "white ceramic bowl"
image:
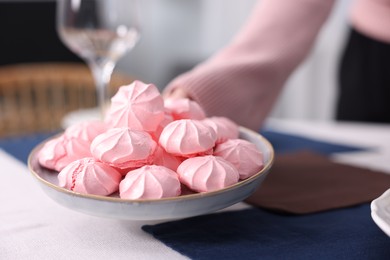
{"points": [[155, 209]]}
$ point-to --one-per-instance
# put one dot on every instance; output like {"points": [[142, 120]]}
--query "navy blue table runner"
{"points": [[20, 147], [257, 234], [348, 233]]}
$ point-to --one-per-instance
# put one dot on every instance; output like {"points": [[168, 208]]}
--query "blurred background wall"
{"points": [[177, 34]]}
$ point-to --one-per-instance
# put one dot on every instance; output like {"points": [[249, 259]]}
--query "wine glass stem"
{"points": [[102, 76]]}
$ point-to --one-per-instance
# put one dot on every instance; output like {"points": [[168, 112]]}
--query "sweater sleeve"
{"points": [[242, 81]]}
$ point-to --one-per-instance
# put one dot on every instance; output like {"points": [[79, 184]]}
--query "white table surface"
{"points": [[375, 137], [32, 226]]}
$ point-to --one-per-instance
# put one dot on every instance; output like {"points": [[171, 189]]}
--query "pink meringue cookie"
{"points": [[59, 152], [124, 148], [188, 138], [138, 106], [224, 127], [168, 160], [86, 130], [184, 108], [207, 173], [150, 182], [168, 118], [89, 176], [243, 155]]}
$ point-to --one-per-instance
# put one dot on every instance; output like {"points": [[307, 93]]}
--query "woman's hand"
{"points": [[176, 93]]}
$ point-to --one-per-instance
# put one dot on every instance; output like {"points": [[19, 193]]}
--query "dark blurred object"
{"points": [[364, 80], [28, 33], [35, 97]]}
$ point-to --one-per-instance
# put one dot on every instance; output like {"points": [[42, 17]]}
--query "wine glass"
{"points": [[100, 32]]}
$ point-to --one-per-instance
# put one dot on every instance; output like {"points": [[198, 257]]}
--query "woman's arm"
{"points": [[243, 80]]}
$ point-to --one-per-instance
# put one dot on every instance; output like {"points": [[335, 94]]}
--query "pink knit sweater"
{"points": [[243, 80]]}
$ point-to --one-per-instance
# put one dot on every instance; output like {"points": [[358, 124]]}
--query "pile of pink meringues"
{"points": [[150, 148]]}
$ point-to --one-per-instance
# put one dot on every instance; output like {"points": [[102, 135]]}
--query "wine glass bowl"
{"points": [[100, 32]]}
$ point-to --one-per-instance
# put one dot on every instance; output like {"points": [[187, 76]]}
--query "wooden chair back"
{"points": [[35, 97]]}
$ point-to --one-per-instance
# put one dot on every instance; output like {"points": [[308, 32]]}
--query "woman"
{"points": [[244, 79]]}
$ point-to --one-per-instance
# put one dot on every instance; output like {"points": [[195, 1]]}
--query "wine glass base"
{"points": [[79, 116]]}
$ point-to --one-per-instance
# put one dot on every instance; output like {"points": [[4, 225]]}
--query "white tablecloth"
{"points": [[32, 226]]}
